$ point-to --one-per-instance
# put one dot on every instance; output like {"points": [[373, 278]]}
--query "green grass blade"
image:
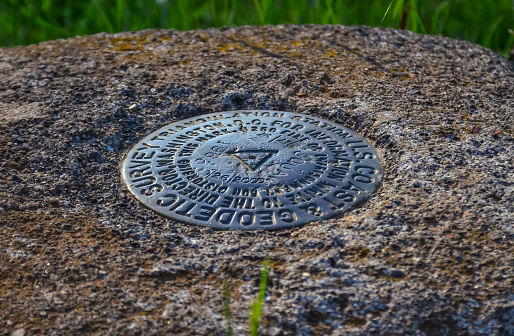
{"points": [[226, 307], [46, 5], [226, 13], [510, 44], [40, 21], [260, 12], [213, 13], [397, 11], [387, 11], [493, 26], [417, 23], [182, 8], [328, 17], [107, 23], [6, 29], [438, 21], [257, 304], [120, 14]]}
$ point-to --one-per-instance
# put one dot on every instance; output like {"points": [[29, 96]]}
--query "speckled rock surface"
{"points": [[429, 254]]}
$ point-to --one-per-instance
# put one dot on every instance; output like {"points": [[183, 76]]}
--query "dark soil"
{"points": [[431, 253]]}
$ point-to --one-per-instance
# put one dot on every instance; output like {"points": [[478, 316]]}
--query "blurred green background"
{"points": [[486, 22]]}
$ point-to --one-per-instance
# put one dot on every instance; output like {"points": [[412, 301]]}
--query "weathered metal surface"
{"points": [[252, 170]]}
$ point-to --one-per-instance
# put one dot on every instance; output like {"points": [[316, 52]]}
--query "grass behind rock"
{"points": [[32, 21]]}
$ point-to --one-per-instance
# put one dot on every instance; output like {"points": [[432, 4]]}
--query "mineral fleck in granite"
{"points": [[429, 253]]}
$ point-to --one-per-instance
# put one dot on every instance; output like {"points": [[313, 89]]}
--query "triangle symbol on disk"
{"points": [[253, 159]]}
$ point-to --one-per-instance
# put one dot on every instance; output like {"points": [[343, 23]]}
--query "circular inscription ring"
{"points": [[252, 170]]}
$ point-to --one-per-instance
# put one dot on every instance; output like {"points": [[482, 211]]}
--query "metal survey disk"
{"points": [[252, 170]]}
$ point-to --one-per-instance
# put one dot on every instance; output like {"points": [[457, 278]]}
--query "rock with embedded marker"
{"points": [[427, 254]]}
